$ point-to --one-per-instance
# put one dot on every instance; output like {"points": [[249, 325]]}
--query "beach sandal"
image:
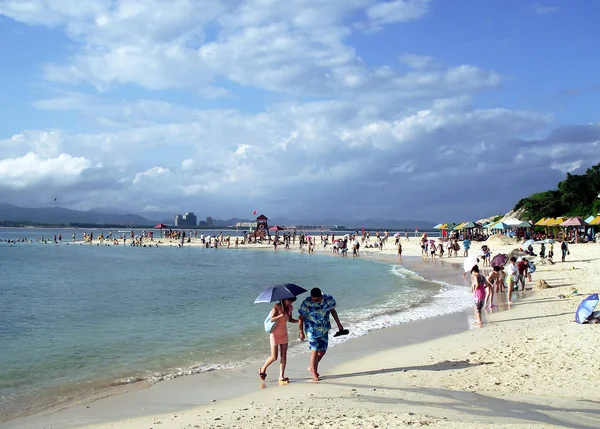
{"points": [[284, 380], [342, 332], [262, 375]]}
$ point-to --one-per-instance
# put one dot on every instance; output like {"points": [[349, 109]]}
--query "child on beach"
{"points": [[399, 250], [278, 338]]}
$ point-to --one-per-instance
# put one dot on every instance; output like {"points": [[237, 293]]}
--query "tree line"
{"points": [[577, 195]]}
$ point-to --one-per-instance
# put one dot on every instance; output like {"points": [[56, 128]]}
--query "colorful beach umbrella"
{"points": [[541, 221], [596, 221], [574, 221], [499, 260], [586, 308], [500, 226], [555, 222]]}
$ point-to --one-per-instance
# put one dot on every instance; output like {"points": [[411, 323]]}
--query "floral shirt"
{"points": [[316, 315]]}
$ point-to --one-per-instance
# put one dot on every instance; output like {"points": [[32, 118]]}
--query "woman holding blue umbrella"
{"points": [[284, 295], [281, 315]]}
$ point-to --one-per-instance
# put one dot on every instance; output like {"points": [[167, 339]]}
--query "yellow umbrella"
{"points": [[459, 226], [595, 221], [557, 221], [541, 221]]}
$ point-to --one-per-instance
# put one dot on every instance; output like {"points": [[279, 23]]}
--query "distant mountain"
{"points": [[59, 215], [104, 216]]}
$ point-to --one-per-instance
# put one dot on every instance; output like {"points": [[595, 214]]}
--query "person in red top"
{"points": [[522, 266]]}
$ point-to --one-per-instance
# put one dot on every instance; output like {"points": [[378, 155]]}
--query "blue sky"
{"points": [[301, 108]]}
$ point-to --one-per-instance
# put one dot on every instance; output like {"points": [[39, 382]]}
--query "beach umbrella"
{"points": [[523, 224], [541, 221], [469, 263], [589, 219], [276, 228], [574, 221], [499, 260], [556, 222], [470, 225], [528, 243], [500, 226], [438, 226], [586, 308], [459, 226], [160, 226], [596, 221], [279, 292]]}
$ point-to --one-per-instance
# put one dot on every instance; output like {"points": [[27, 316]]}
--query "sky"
{"points": [[351, 109]]}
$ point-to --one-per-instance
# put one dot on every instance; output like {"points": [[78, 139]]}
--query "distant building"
{"points": [[209, 221], [188, 220], [245, 224]]}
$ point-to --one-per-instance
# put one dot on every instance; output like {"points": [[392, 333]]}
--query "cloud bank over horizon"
{"points": [[344, 108]]}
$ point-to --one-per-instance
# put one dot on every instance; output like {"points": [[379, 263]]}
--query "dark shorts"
{"points": [[320, 343]]}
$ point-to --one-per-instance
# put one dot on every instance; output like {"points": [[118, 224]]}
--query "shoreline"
{"points": [[528, 333]]}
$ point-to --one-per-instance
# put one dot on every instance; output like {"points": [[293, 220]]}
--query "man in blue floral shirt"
{"points": [[314, 318]]}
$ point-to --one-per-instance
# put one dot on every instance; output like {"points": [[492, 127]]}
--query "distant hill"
{"points": [[59, 215], [103, 216], [577, 195]]}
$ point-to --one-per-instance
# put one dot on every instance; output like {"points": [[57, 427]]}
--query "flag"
{"points": [[254, 212]]}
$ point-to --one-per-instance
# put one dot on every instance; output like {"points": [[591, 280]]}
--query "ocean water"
{"points": [[77, 319]]}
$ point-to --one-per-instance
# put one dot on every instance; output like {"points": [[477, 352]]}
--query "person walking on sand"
{"points": [[564, 248], [399, 256], [478, 286], [314, 319], [278, 338], [466, 246]]}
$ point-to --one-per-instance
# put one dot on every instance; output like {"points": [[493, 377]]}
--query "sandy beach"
{"points": [[528, 365]]}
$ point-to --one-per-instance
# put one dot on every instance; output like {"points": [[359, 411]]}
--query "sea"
{"points": [[78, 320]]}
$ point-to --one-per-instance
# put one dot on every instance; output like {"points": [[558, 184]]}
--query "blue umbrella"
{"points": [[528, 242], [279, 292], [586, 308]]}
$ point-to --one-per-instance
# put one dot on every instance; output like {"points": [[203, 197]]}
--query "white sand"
{"points": [[532, 366]]}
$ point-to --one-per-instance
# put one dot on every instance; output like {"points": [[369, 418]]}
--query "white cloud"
{"points": [[322, 118], [33, 170], [417, 62], [543, 10], [405, 167], [567, 167], [397, 11]]}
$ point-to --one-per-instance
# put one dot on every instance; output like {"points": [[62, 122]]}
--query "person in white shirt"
{"points": [[512, 273]]}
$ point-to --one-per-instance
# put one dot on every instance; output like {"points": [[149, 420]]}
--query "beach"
{"points": [[529, 365]]}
